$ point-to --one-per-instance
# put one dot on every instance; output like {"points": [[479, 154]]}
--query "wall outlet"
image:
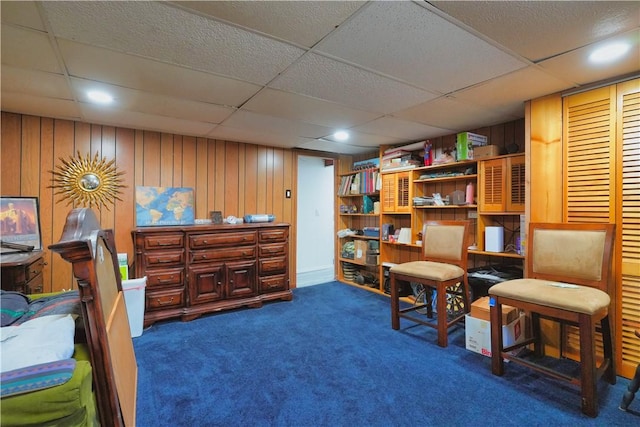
{"points": [[472, 214]]}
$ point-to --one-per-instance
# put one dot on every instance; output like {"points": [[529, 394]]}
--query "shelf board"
{"points": [[500, 213], [375, 193], [357, 214], [356, 262], [447, 165], [358, 171], [447, 207], [359, 236], [411, 245], [446, 178], [498, 254]]}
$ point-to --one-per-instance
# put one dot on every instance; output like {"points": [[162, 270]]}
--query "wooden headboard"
{"points": [[93, 256]]}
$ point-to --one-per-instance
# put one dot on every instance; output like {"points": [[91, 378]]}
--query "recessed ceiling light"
{"points": [[341, 135], [100, 97], [609, 53]]}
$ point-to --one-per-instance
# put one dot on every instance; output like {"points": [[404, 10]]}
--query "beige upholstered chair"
{"points": [[567, 280], [444, 247]]}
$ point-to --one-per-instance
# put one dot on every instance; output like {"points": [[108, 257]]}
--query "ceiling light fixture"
{"points": [[609, 53], [100, 97], [341, 135]]}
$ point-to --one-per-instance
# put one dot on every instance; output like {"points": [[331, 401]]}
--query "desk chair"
{"points": [[568, 268], [444, 269]]}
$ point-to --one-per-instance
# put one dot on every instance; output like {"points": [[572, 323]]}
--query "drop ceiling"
{"points": [[289, 74]]}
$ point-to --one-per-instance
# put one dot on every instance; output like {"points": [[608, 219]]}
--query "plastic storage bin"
{"points": [[134, 300]]}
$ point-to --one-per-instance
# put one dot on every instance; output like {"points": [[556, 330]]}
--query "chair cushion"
{"points": [[429, 270], [565, 296]]}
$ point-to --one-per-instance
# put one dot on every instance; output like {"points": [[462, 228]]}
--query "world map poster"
{"points": [[159, 206]]}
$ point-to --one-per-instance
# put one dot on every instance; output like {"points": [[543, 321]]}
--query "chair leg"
{"points": [[497, 362], [634, 385], [588, 368], [607, 346], [536, 334], [395, 303], [441, 307]]}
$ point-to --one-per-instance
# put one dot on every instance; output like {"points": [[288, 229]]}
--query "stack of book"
{"points": [[365, 182]]}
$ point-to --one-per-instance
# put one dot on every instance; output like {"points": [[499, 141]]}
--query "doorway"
{"points": [[315, 221]]}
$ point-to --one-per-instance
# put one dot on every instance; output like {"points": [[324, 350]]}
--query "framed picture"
{"points": [[216, 217], [159, 206], [20, 224]]}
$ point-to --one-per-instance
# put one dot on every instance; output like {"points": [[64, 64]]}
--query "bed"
{"points": [[102, 387]]}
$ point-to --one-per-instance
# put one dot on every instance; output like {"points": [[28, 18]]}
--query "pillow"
{"points": [[41, 340], [38, 377], [61, 303], [13, 305]]}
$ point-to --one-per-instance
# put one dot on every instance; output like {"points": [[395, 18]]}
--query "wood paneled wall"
{"points": [[231, 177]]}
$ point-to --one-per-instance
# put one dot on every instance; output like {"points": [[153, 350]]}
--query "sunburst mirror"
{"points": [[85, 181]]}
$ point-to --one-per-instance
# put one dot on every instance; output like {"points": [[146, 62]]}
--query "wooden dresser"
{"points": [[22, 272], [199, 269]]}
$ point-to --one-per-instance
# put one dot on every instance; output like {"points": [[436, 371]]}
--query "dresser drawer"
{"points": [[34, 269], [274, 283], [165, 277], [276, 249], [203, 241], [163, 258], [246, 252], [161, 300], [272, 266], [165, 240], [277, 235]]}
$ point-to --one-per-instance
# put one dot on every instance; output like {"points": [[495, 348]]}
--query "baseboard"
{"points": [[314, 277]]}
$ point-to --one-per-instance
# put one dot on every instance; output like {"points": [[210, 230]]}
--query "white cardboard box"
{"points": [[478, 334]]}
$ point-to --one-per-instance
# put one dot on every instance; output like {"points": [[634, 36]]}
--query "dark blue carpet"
{"points": [[330, 358]]}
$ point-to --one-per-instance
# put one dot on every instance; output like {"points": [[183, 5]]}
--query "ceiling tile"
{"points": [[39, 106], [23, 13], [542, 29], [159, 31], [575, 65], [452, 114], [311, 110], [324, 78], [505, 92], [275, 125], [401, 129], [131, 119], [104, 65], [255, 137], [38, 83], [24, 48], [300, 22], [410, 43], [333, 147], [154, 104]]}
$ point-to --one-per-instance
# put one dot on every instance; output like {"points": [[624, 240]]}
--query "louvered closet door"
{"points": [[589, 171], [492, 186], [516, 184], [388, 193], [403, 192], [628, 220]]}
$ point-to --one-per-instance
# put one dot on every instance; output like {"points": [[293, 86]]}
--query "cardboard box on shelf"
{"points": [[478, 334], [486, 151], [360, 250], [480, 310]]}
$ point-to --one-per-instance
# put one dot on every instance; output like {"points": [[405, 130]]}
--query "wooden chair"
{"points": [[568, 281], [444, 269], [92, 253], [633, 387]]}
